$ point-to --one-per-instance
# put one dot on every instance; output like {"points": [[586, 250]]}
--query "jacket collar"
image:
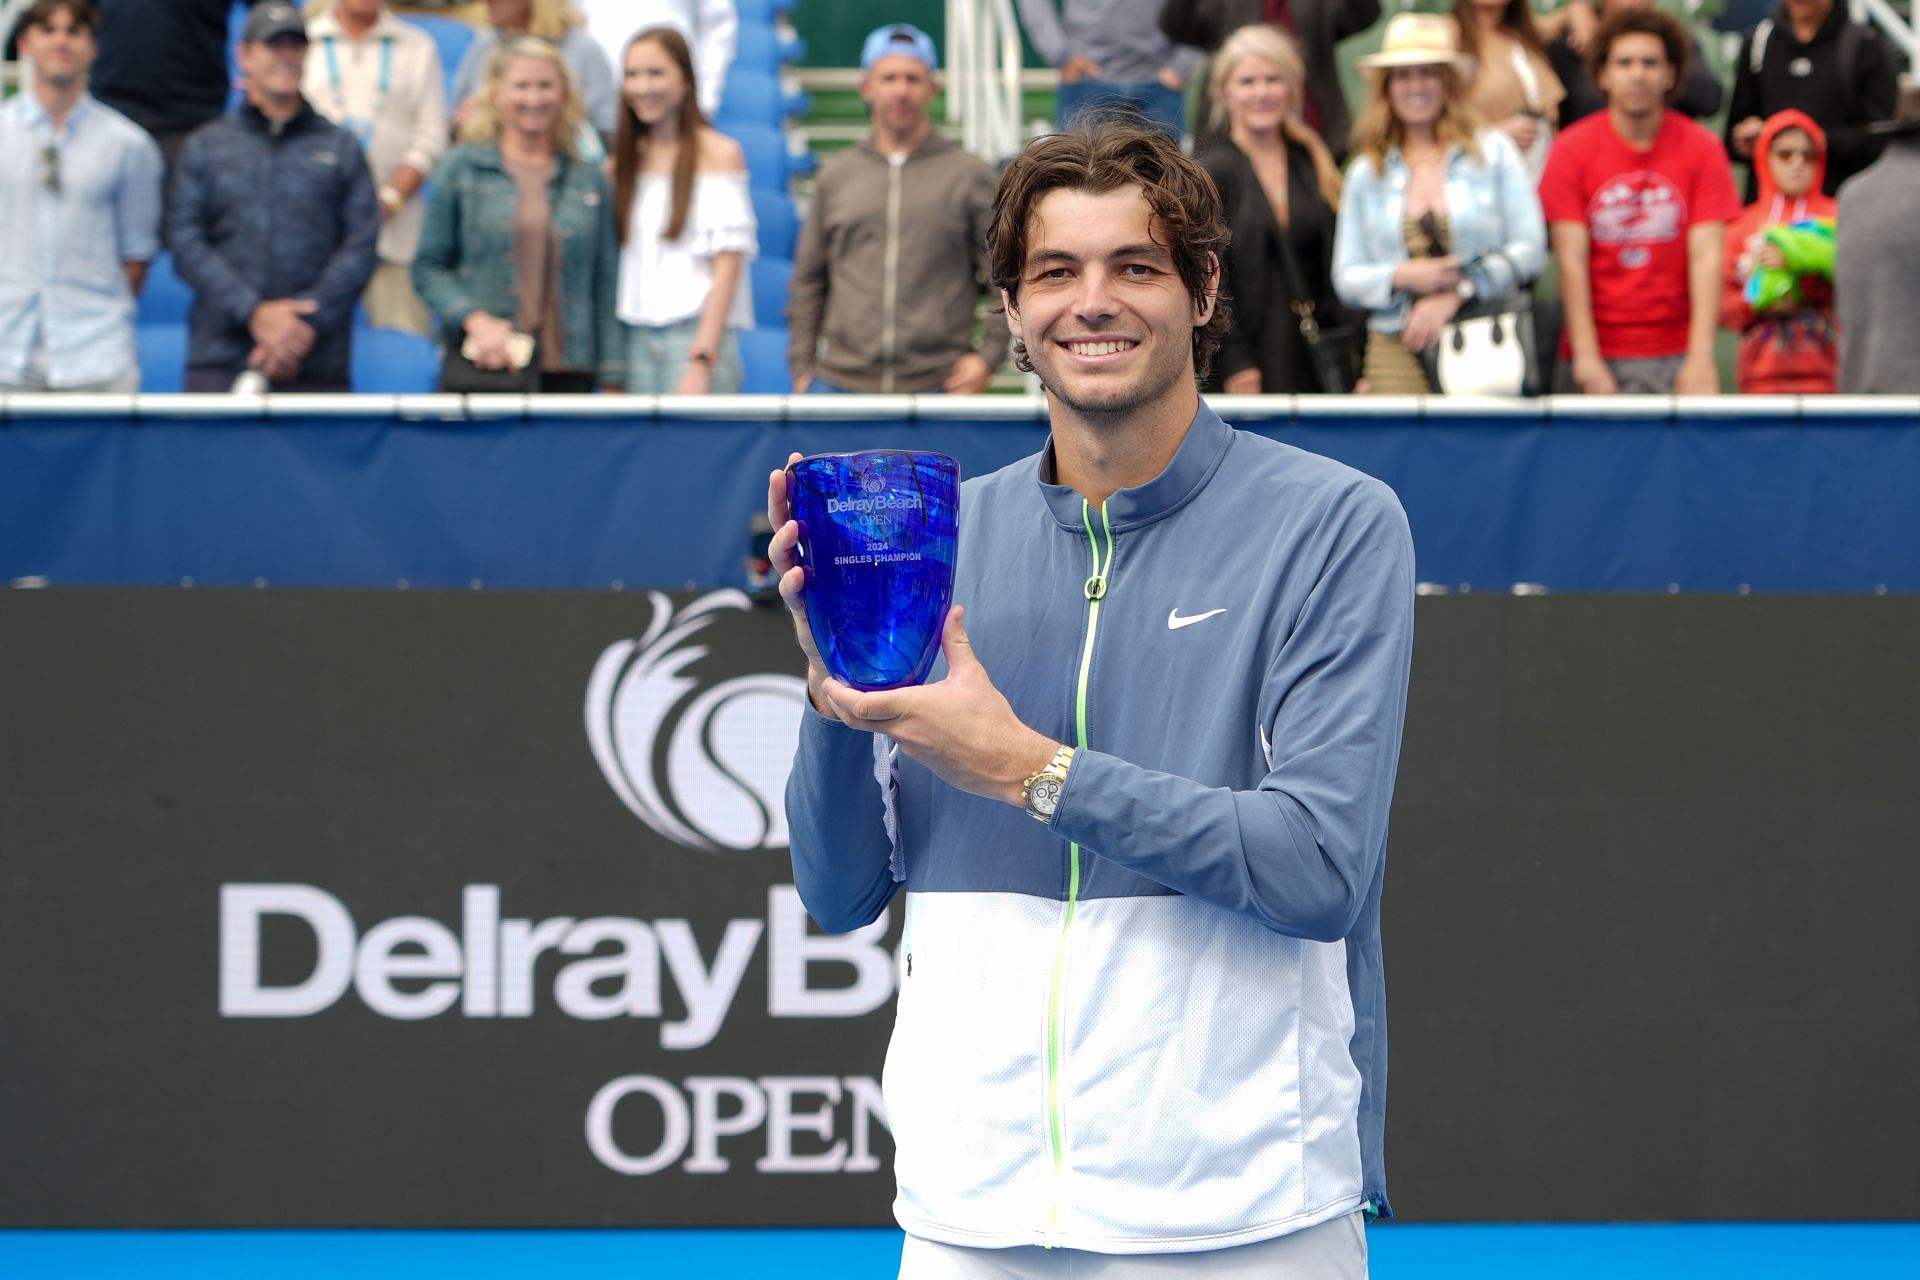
{"points": [[1193, 465], [33, 114], [253, 118], [385, 27], [933, 144]]}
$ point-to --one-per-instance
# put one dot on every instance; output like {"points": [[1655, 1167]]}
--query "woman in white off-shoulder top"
{"points": [[686, 226]]}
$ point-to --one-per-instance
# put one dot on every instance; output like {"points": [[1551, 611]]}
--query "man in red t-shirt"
{"points": [[1637, 199]]}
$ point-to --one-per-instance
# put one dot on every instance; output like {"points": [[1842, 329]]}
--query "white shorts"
{"points": [[1335, 1250]]}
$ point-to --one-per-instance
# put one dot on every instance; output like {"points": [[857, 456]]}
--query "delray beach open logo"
{"points": [[702, 761]]}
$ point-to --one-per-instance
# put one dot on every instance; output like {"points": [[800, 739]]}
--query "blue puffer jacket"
{"points": [[262, 212], [466, 258]]}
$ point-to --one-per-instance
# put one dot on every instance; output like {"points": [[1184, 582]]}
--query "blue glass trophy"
{"points": [[877, 537]]}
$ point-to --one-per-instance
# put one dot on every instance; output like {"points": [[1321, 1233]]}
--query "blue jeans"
{"points": [[1167, 107], [657, 357]]}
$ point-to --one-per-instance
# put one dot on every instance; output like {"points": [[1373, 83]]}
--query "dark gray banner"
{"points": [[344, 908]]}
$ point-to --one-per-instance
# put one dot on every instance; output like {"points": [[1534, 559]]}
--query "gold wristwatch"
{"points": [[1041, 793]]}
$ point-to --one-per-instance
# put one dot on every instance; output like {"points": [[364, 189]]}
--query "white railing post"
{"points": [[1894, 27], [983, 76]]}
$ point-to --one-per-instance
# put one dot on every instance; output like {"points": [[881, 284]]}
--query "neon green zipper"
{"points": [[1095, 591]]}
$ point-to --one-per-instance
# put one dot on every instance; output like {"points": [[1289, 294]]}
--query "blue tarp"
{"points": [[1771, 496]]}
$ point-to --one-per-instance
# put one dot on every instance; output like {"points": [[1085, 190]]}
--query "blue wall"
{"points": [[1772, 495]]}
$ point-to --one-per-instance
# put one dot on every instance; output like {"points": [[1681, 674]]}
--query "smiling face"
{"points": [[529, 96], [1256, 95], [1417, 95], [1637, 77], [655, 87], [61, 51], [273, 68], [1107, 321]]}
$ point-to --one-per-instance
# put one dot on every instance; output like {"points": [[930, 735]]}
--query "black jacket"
{"points": [[261, 213], [1263, 332], [1844, 81], [163, 63], [1319, 25]]}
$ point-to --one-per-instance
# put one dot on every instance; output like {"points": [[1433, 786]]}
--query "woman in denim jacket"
{"points": [[519, 236], [1436, 211]]}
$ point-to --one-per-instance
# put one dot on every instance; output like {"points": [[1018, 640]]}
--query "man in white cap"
{"points": [[892, 259]]}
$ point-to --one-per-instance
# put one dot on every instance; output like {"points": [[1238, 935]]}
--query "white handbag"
{"points": [[1488, 351]]}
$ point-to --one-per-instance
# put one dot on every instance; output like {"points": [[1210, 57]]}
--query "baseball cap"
{"points": [[899, 37], [277, 18]]}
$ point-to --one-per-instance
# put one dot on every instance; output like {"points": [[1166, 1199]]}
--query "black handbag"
{"points": [[1488, 348], [459, 375], [1338, 350]]}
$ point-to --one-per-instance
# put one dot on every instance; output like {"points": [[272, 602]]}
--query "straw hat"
{"points": [[1417, 40]]}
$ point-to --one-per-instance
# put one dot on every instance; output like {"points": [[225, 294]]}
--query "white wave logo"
{"points": [[704, 767]]}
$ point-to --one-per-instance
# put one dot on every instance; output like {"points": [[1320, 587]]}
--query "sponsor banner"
{"points": [[474, 909]]}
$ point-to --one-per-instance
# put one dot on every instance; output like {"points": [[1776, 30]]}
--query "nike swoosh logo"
{"points": [[1175, 621]]}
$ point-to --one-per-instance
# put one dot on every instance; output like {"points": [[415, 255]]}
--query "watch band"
{"points": [[1039, 800]]}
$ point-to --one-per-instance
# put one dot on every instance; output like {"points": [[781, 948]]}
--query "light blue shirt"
{"points": [[63, 285], [1493, 214]]}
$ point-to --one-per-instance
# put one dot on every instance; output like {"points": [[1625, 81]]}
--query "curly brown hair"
{"points": [[1105, 153], [1643, 22]]}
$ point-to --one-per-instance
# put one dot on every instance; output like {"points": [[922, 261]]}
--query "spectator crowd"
{"points": [[559, 212]]}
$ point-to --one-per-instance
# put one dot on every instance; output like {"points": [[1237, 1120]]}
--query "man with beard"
{"points": [[888, 271], [1142, 1005]]}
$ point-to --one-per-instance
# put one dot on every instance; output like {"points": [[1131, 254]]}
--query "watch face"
{"points": [[1045, 796]]}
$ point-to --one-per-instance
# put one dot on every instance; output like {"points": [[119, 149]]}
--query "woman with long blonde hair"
{"points": [[1279, 188], [1436, 212], [518, 256]]}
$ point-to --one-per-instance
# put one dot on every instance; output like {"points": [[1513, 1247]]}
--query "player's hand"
{"points": [[961, 727], [792, 579]]}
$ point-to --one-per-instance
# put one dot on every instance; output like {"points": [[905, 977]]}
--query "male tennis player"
{"points": [[1141, 1027]]}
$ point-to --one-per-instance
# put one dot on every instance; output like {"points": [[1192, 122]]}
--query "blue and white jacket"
{"points": [[1493, 214], [1158, 1023]]}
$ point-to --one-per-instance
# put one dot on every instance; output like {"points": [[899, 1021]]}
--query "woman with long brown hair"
{"points": [[1514, 87], [1279, 188], [1436, 212], [684, 214]]}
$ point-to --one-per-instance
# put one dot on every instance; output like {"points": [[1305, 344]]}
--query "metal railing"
{"points": [[1896, 412], [983, 77]]}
